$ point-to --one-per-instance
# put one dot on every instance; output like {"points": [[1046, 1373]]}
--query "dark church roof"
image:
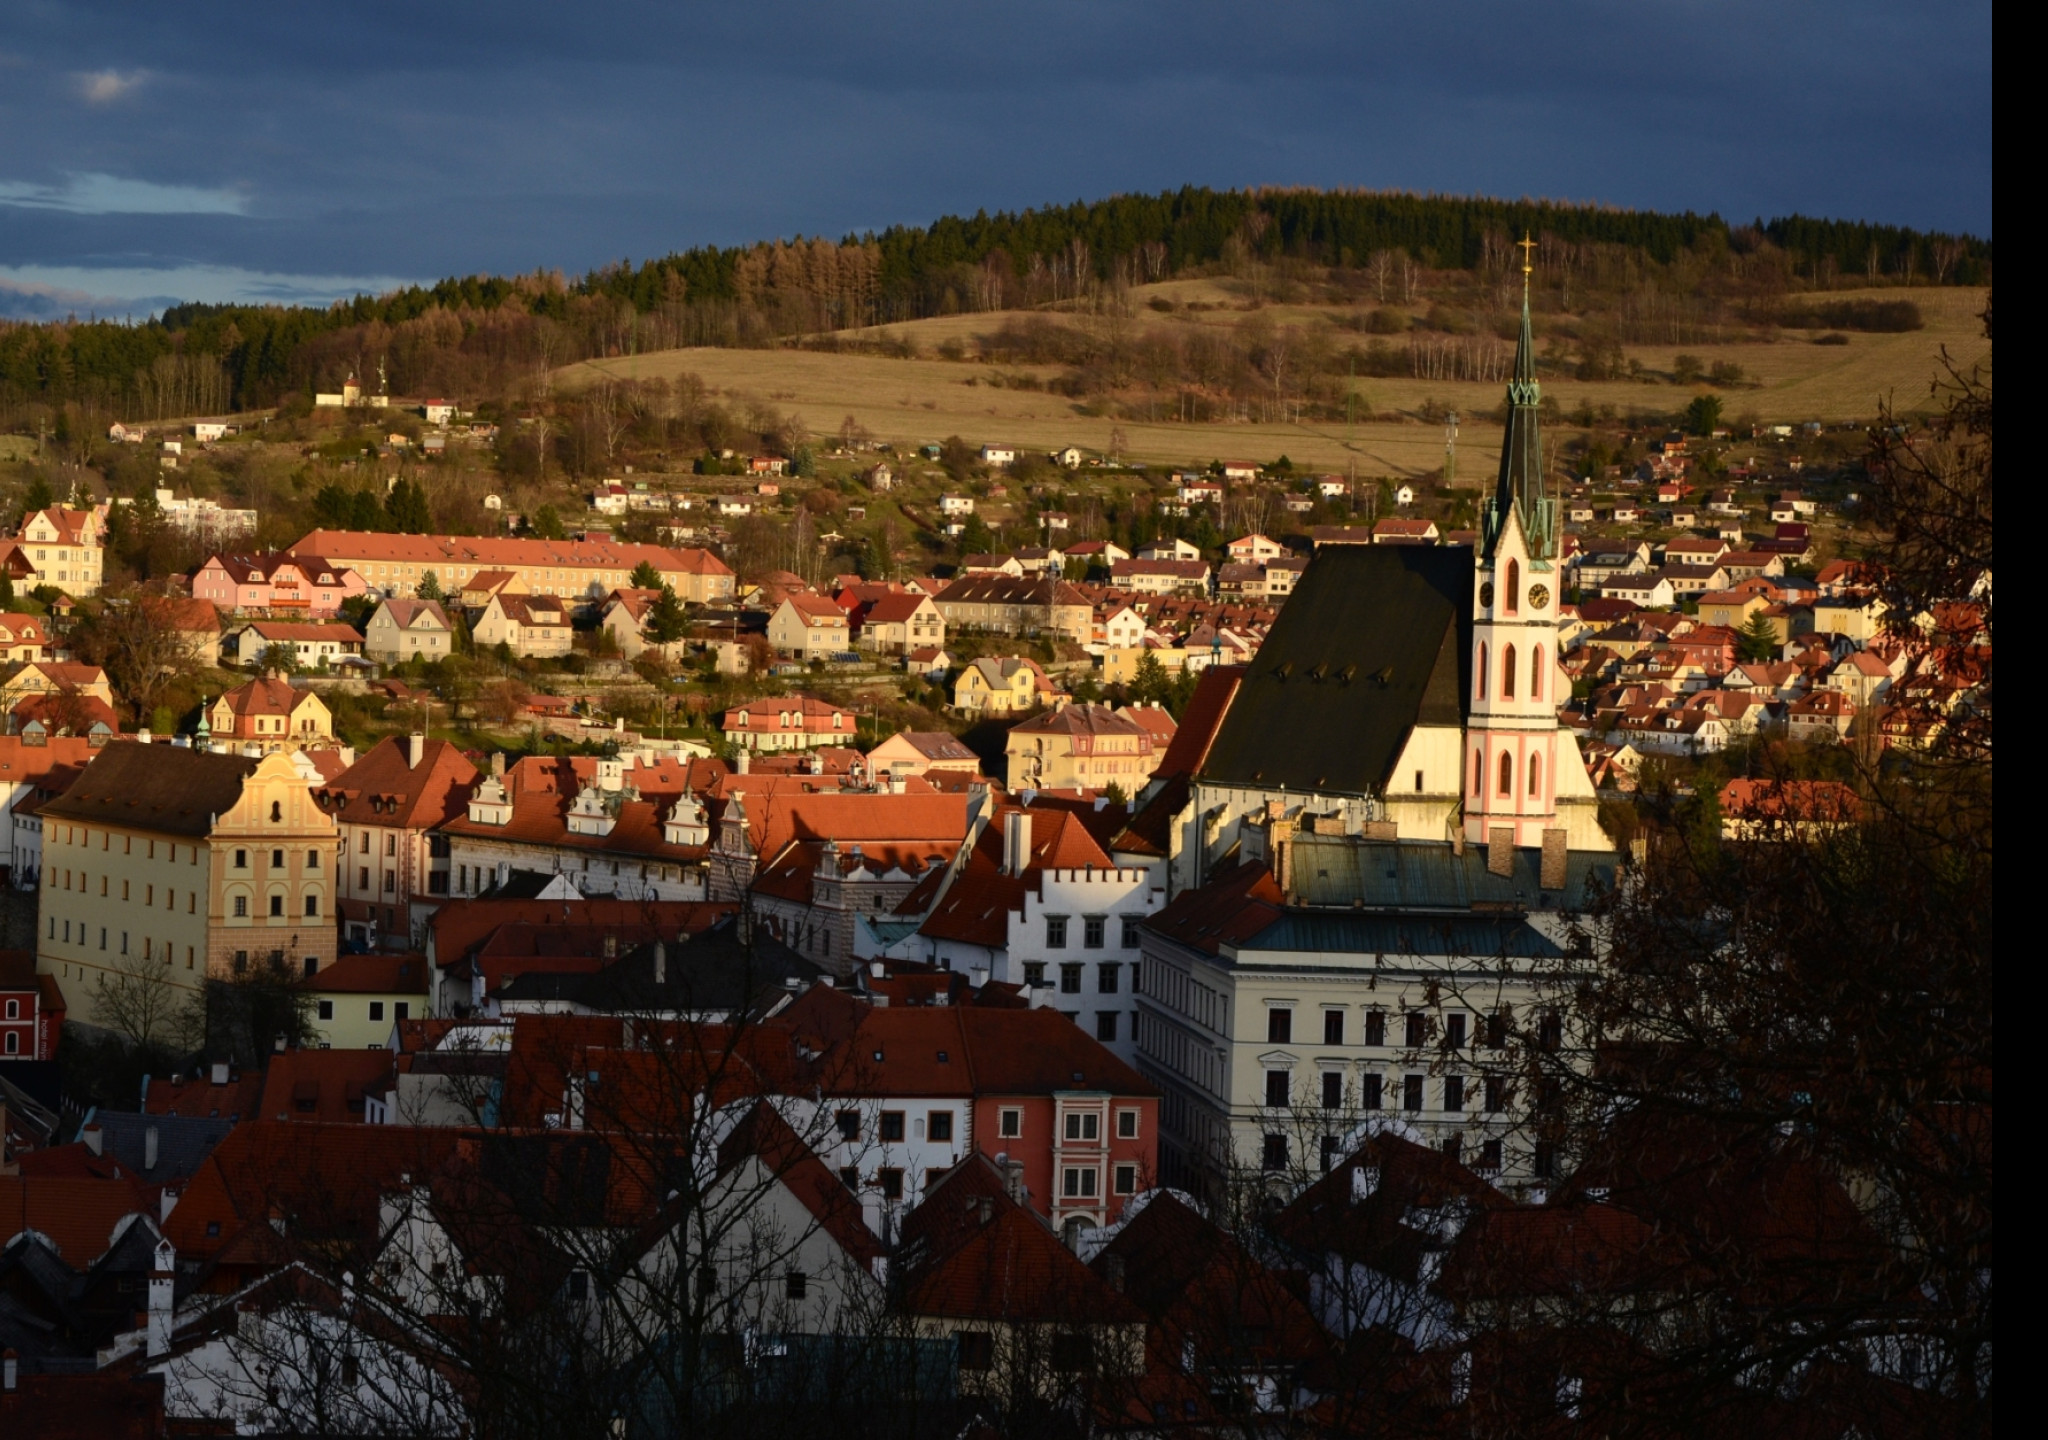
{"points": [[1375, 640]]}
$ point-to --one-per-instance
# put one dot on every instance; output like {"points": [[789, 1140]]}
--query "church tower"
{"points": [[1513, 747]]}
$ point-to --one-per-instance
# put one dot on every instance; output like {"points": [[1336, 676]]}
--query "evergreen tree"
{"points": [[645, 576], [547, 524], [430, 586], [1703, 416], [36, 497], [406, 508], [1758, 639], [6, 591], [665, 619]]}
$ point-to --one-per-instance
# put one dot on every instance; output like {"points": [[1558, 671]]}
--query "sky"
{"points": [[151, 153]]}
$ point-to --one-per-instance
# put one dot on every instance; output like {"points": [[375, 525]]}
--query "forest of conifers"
{"points": [[469, 336]]}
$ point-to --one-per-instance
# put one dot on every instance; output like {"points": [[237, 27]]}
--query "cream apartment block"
{"points": [[58, 546], [165, 861], [570, 569]]}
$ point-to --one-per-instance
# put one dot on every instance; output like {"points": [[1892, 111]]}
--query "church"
{"points": [[1379, 847]]}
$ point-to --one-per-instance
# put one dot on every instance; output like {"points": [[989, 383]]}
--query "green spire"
{"points": [[1520, 485]]}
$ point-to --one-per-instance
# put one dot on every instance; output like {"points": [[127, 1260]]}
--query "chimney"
{"points": [[743, 762], [1013, 1180], [1555, 857], [149, 1148], [1365, 1179], [1500, 850], [1280, 848], [1382, 830], [10, 1371], [415, 751], [1016, 842], [94, 1138], [660, 963], [220, 1072], [977, 975], [498, 764], [878, 970]]}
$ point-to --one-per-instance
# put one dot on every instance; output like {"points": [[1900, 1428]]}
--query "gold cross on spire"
{"points": [[1528, 248]]}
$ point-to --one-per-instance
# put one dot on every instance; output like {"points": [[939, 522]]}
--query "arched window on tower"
{"points": [[1507, 773], [1514, 586], [1478, 772], [1479, 690], [1507, 672], [1535, 777], [1536, 673]]}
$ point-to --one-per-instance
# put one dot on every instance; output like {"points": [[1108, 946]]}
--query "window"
{"points": [[1494, 1094], [977, 1349], [1544, 1160], [1454, 1092], [1276, 1089], [1331, 1154], [312, 963], [1453, 1147], [13, 1009], [1535, 777], [1418, 782], [391, 844], [362, 877], [1478, 772], [1279, 1026], [1550, 1030], [13, 1042], [1078, 1182], [848, 1122], [1010, 1124], [1071, 1354], [940, 1126], [376, 1010], [390, 882], [892, 1127], [1507, 773], [1055, 932], [326, 1009], [312, 907], [1514, 586], [1489, 1155], [1131, 923], [796, 1285], [241, 961], [1507, 672], [1479, 689], [1106, 978], [1369, 1092], [1333, 1089], [241, 907], [1418, 1030], [277, 859], [1105, 1026], [276, 812], [1273, 1155], [1333, 1027], [363, 842], [1411, 1093], [1376, 1027], [1536, 673], [849, 1176], [401, 1009], [1034, 972], [890, 1180], [1083, 1125], [1126, 1180], [1496, 1030], [241, 859], [277, 905], [1454, 1031], [312, 861], [1070, 979]]}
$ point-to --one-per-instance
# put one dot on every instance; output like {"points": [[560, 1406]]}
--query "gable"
{"points": [[1375, 641]]}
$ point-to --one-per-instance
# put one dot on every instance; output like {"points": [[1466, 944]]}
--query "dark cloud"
{"points": [[388, 139]]}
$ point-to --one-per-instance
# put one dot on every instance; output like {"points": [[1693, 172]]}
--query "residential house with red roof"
{"points": [[52, 677], [1087, 747], [302, 585], [788, 722], [530, 626], [59, 547], [396, 864], [271, 714], [402, 630], [1003, 685], [302, 644], [898, 624], [23, 638], [809, 627]]}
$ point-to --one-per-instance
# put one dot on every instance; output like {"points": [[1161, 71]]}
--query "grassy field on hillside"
{"points": [[923, 400]]}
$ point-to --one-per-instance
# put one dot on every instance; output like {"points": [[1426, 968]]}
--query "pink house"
{"points": [[290, 584]]}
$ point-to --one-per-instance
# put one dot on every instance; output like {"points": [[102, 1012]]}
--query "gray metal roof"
{"points": [[1343, 870], [182, 1142], [1357, 933]]}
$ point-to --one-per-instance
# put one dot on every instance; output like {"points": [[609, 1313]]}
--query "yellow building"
{"points": [[1088, 747], [50, 677], [271, 713], [1007, 686], [164, 866], [571, 569], [359, 998], [58, 546]]}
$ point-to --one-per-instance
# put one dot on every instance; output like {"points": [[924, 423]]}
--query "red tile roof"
{"points": [[384, 788], [326, 1085], [79, 1215]]}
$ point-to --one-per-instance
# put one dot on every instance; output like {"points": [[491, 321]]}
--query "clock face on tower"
{"points": [[1486, 596], [1539, 596]]}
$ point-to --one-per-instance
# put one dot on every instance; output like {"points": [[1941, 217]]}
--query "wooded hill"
{"points": [[483, 335]]}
